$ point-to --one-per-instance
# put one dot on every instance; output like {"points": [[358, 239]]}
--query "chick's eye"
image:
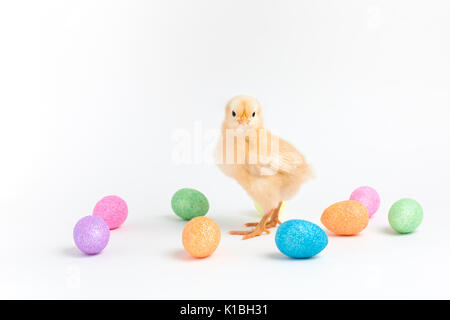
{"points": [[233, 113], [253, 114]]}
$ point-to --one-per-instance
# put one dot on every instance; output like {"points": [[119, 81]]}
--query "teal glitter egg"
{"points": [[300, 239], [189, 203], [405, 215]]}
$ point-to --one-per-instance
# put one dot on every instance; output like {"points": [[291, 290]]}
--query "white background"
{"points": [[92, 92]]}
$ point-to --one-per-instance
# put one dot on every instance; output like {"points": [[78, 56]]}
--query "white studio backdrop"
{"points": [[92, 94]]}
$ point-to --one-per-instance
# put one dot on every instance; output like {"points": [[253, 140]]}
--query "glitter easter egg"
{"points": [[201, 236], [189, 203], [346, 217], [300, 239], [368, 197], [405, 215], [91, 234], [258, 208], [113, 210]]}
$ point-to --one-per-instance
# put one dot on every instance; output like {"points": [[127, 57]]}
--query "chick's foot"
{"points": [[246, 232], [260, 228], [274, 220], [256, 232], [273, 223], [251, 224], [270, 224]]}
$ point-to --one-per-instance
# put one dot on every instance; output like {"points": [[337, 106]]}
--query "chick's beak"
{"points": [[243, 119]]}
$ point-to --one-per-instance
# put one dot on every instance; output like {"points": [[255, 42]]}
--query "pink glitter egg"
{"points": [[113, 210], [91, 234], [368, 197]]}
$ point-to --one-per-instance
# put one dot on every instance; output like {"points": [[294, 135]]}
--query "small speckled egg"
{"points": [[113, 210], [405, 215], [91, 234], [189, 203], [346, 217], [368, 197], [201, 237], [283, 206], [300, 239]]}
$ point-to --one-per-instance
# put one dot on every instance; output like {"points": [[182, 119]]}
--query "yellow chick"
{"points": [[270, 169]]}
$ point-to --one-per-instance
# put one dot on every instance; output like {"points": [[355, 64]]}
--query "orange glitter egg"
{"points": [[346, 217], [201, 236]]}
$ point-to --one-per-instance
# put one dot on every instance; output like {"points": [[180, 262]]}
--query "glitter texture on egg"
{"points": [[113, 210], [189, 203], [346, 217], [405, 215], [201, 237], [300, 239], [368, 197], [91, 234]]}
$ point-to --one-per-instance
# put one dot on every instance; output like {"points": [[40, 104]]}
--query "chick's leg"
{"points": [[274, 221], [259, 229]]}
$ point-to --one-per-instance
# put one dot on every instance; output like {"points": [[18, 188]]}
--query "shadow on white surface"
{"points": [[279, 256], [180, 254], [73, 252]]}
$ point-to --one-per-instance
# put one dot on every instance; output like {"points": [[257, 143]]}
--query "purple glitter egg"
{"points": [[91, 234]]}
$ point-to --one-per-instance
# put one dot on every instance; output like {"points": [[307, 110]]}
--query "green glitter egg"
{"points": [[405, 215], [189, 203]]}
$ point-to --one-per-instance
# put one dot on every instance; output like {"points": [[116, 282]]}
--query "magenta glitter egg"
{"points": [[368, 197], [91, 234], [113, 210]]}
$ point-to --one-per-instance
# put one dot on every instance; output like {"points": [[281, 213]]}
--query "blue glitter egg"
{"points": [[300, 239]]}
